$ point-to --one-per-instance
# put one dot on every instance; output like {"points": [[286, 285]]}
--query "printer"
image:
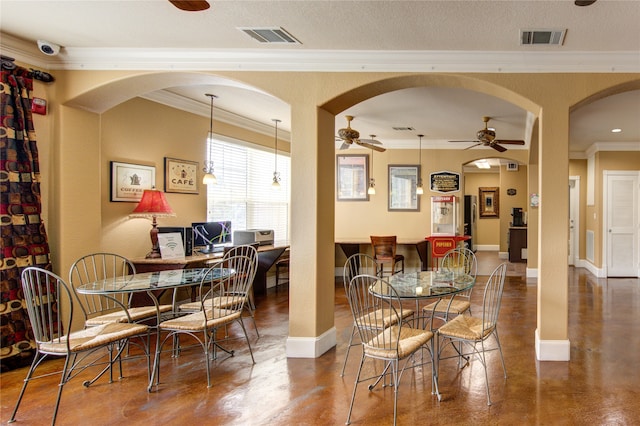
{"points": [[263, 237]]}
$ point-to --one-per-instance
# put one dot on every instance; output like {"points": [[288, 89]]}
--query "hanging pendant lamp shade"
{"points": [[276, 175], [372, 182], [419, 189], [209, 178]]}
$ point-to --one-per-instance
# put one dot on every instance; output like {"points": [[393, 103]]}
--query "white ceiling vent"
{"points": [[403, 129], [270, 35], [542, 37], [512, 167]]}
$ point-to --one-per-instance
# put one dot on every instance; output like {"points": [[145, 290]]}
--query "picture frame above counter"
{"points": [[489, 202]]}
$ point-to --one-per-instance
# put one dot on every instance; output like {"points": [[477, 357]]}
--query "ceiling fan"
{"points": [[191, 5], [487, 137], [349, 136]]}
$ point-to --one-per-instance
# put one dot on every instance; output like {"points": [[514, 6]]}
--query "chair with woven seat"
{"points": [[218, 300], [455, 261], [282, 263], [100, 309], [50, 305], [468, 331], [384, 335], [215, 312], [384, 252]]}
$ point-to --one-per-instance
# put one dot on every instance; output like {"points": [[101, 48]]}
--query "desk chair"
{"points": [[282, 263], [50, 304], [384, 252]]}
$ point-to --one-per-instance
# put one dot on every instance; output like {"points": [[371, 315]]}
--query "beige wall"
{"points": [[77, 168]]}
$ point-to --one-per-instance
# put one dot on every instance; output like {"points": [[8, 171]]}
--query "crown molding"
{"points": [[522, 61]]}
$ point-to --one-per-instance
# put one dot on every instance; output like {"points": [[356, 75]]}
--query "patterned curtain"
{"points": [[23, 238]]}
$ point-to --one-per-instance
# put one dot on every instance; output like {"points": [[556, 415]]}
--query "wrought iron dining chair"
{"points": [[469, 331], [384, 335], [384, 252], [218, 300], [204, 324], [50, 305], [456, 261], [100, 309]]}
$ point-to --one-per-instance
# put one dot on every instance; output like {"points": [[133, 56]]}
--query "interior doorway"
{"points": [[620, 206], [574, 219]]}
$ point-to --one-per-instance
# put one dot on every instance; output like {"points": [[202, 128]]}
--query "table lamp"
{"points": [[153, 204]]}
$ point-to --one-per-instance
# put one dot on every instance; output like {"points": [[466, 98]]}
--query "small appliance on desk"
{"points": [[518, 217], [263, 237]]}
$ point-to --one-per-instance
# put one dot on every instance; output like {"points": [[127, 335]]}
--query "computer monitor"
{"points": [[209, 237]]}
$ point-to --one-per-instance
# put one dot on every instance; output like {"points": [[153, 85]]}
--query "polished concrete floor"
{"points": [[599, 386]]}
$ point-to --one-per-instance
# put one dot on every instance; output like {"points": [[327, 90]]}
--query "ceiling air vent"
{"points": [[408, 129], [542, 37], [270, 35], [512, 167]]}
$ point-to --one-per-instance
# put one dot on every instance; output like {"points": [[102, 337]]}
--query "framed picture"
{"points": [[489, 201], [128, 181], [180, 176], [403, 180], [352, 177]]}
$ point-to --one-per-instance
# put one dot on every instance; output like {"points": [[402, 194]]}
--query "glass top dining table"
{"points": [[151, 281], [424, 284]]}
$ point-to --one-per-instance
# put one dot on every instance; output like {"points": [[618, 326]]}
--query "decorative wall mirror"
{"points": [[352, 177], [489, 201], [402, 188]]}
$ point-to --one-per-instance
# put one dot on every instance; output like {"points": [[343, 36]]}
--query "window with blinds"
{"points": [[244, 194]]}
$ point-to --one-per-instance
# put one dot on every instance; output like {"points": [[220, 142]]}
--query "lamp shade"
{"points": [[153, 203]]}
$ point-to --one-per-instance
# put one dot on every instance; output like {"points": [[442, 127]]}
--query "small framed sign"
{"points": [[128, 181], [180, 176]]}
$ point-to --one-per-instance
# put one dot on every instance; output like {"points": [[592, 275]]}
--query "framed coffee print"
{"points": [[489, 202], [128, 181], [180, 176], [352, 177]]}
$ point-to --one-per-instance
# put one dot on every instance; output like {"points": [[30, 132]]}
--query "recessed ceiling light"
{"points": [[616, 130]]}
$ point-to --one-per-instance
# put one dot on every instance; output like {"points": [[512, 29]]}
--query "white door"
{"points": [[574, 218], [621, 202]]}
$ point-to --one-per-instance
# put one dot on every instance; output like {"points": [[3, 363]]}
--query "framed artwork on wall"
{"points": [[352, 177], [128, 181], [403, 180], [489, 202], [180, 176]]}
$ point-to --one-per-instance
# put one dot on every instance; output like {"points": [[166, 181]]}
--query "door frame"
{"points": [[574, 203], [605, 217]]}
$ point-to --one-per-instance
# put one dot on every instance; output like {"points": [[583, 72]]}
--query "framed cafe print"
{"points": [[180, 176], [128, 181]]}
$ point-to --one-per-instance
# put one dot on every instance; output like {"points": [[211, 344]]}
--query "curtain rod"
{"points": [[8, 64]]}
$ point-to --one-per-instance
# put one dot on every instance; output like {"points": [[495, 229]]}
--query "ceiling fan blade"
{"points": [[509, 141], [498, 147], [476, 141], [371, 146], [469, 147], [191, 5], [344, 146], [371, 141]]}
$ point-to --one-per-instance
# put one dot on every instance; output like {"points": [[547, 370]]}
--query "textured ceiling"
{"points": [[422, 36]]}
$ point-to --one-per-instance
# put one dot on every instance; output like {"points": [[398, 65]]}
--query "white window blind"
{"points": [[244, 194]]}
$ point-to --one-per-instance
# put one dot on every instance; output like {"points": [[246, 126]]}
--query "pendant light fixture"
{"points": [[276, 175], [372, 181], [209, 178], [419, 189]]}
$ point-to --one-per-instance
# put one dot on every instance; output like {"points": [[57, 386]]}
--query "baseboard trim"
{"points": [[532, 273], [311, 347], [552, 350], [487, 247]]}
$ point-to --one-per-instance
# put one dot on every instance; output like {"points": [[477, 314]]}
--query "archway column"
{"points": [[551, 337], [312, 290]]}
